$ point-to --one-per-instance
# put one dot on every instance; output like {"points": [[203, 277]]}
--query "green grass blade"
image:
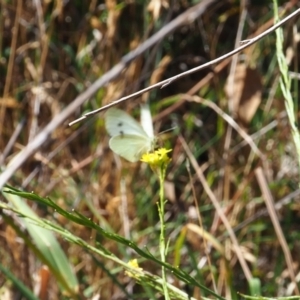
{"points": [[80, 219], [27, 293], [46, 247]]}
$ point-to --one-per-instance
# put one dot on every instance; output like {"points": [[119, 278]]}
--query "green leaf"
{"points": [[27, 293], [45, 246]]}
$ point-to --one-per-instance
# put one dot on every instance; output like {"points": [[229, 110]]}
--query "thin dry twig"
{"points": [[36, 101], [264, 212], [231, 122], [218, 208], [234, 62], [85, 162], [192, 91], [231, 89], [168, 81], [185, 18], [209, 76], [12, 140], [206, 251], [11, 61], [272, 212]]}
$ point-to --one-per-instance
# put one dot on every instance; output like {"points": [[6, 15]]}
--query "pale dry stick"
{"points": [[230, 208], [38, 76], [154, 50], [30, 177], [225, 170], [85, 162], [260, 132], [52, 154], [230, 121], [294, 75], [35, 113], [185, 18], [11, 61], [12, 140], [234, 62], [204, 81], [267, 196], [123, 209], [271, 96], [264, 212], [218, 208], [168, 81], [201, 225], [43, 38], [249, 163]]}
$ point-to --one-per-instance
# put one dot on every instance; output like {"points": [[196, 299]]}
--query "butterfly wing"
{"points": [[129, 139], [146, 119], [118, 122], [130, 147]]}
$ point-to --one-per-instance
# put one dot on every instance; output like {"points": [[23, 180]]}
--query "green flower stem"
{"points": [[162, 243], [285, 84], [158, 162]]}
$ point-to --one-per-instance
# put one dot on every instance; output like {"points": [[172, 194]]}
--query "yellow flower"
{"points": [[133, 264], [158, 158]]}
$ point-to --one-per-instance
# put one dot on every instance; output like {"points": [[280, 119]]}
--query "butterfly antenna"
{"points": [[167, 130]]}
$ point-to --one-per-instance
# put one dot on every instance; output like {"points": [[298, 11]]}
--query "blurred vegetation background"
{"points": [[53, 51]]}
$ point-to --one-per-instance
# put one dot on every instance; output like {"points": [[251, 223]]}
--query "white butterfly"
{"points": [[129, 139]]}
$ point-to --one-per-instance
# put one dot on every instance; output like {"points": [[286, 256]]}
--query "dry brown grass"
{"points": [[53, 51]]}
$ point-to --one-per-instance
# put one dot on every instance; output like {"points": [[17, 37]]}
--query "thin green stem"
{"points": [[285, 84], [162, 243]]}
